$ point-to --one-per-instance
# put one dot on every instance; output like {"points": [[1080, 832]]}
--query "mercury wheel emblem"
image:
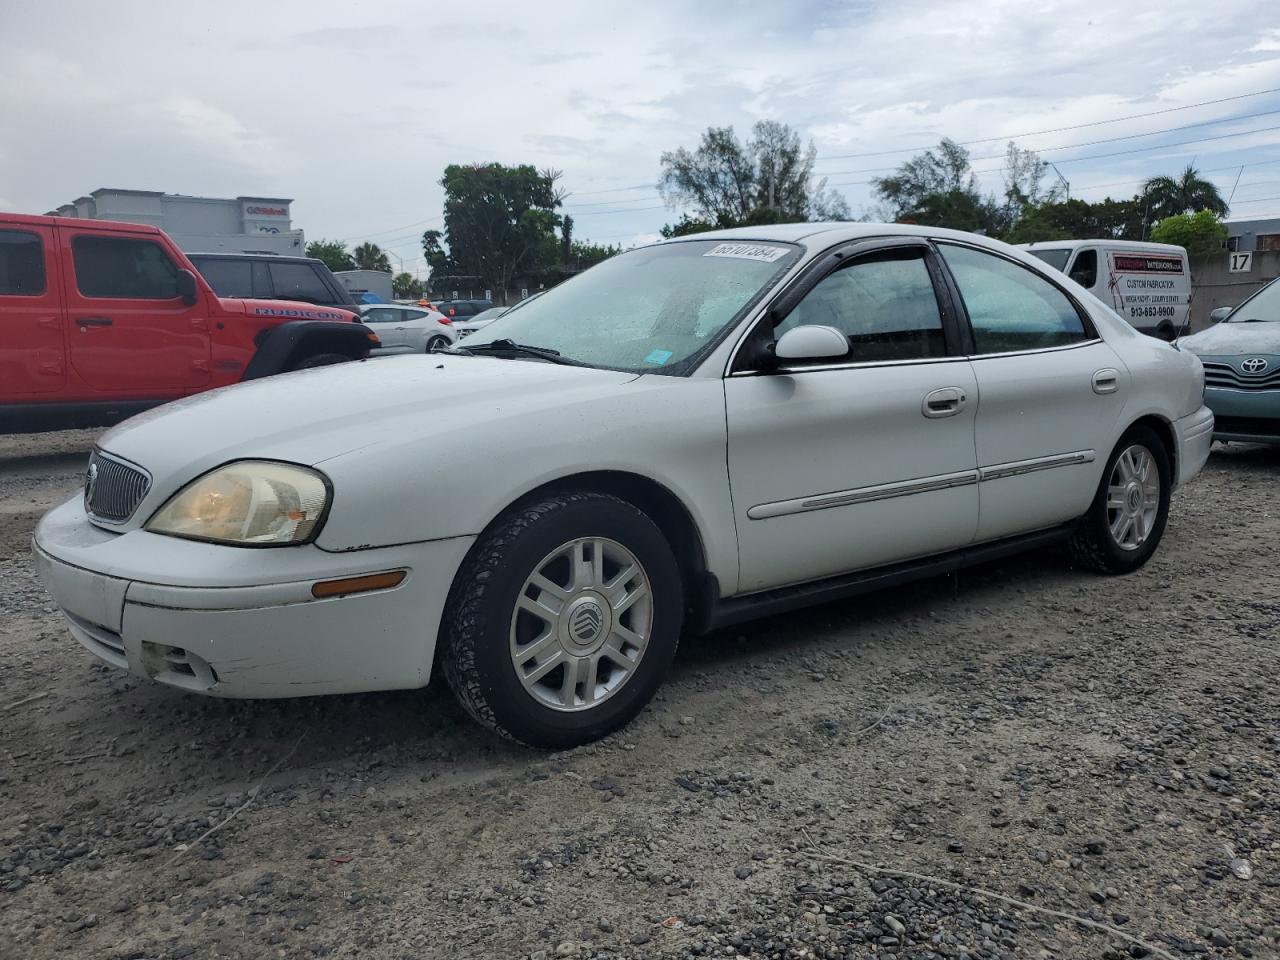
{"points": [[1253, 365], [586, 622]]}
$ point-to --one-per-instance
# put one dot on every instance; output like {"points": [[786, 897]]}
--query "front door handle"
{"points": [[1106, 381], [943, 402], [83, 322]]}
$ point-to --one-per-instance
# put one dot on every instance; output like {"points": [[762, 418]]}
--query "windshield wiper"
{"points": [[510, 346]]}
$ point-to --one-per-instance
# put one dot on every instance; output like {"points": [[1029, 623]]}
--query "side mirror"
{"points": [[1217, 316], [187, 287], [812, 342]]}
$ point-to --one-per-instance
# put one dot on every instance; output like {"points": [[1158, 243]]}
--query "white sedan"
{"points": [[687, 436], [404, 329]]}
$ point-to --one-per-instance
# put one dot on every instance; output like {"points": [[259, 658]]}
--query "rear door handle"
{"points": [[83, 322], [943, 402], [1106, 381]]}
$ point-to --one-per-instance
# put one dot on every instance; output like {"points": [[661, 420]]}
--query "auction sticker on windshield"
{"points": [[747, 251]]}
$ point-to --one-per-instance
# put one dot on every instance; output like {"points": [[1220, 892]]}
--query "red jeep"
{"points": [[99, 320]]}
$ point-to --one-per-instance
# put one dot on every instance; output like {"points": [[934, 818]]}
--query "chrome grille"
{"points": [[113, 488], [1225, 375]]}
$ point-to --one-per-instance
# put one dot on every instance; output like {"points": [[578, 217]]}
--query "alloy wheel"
{"points": [[1133, 497], [581, 624]]}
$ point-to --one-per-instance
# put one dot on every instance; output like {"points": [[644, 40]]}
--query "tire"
{"points": [[1096, 543], [437, 343], [319, 360], [485, 634]]}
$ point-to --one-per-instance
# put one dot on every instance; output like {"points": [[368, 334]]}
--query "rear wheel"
{"points": [[437, 343], [1127, 518], [563, 620], [319, 360]]}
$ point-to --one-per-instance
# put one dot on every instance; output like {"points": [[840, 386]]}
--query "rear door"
{"points": [[32, 335], [129, 329], [1050, 393]]}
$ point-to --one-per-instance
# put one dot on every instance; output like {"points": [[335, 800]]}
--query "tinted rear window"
{"points": [[21, 264], [229, 278], [299, 281]]}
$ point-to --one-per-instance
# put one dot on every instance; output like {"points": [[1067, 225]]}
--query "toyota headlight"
{"points": [[249, 503]]}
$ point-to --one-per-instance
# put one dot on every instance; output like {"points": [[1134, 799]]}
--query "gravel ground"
{"points": [[1105, 748]]}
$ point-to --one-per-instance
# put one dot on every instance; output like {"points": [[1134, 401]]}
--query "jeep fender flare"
{"points": [[282, 346]]}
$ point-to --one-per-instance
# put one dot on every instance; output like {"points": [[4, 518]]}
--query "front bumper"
{"points": [[242, 622], [1195, 437], [1247, 416]]}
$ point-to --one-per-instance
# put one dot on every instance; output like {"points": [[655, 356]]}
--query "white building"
{"points": [[199, 224], [360, 282]]}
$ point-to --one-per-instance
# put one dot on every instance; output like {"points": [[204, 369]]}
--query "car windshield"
{"points": [[1263, 305], [1056, 258], [658, 309]]}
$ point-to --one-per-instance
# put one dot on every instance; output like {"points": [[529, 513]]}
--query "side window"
{"points": [[262, 281], [298, 281], [414, 314], [123, 268], [381, 316], [229, 278], [886, 307], [21, 264], [1010, 307], [1085, 269]]}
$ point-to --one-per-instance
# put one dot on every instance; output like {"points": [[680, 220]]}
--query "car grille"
{"points": [[1225, 375], [113, 488]]}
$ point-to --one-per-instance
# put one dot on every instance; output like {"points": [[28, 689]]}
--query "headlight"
{"points": [[249, 503]]}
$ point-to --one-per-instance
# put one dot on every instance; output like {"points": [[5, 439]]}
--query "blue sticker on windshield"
{"points": [[658, 357]]}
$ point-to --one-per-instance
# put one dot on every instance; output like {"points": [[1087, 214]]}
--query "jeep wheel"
{"points": [[319, 360], [563, 620]]}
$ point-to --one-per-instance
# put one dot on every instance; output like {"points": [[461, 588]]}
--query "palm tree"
{"points": [[369, 256], [1168, 196]]}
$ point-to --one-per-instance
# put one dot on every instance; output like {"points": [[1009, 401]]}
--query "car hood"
{"points": [[286, 309], [311, 416], [1232, 339]]}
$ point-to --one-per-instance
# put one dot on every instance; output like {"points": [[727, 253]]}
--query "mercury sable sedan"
{"points": [[686, 436]]}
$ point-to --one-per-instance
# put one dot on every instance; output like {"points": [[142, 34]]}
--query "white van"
{"points": [[1149, 284]]}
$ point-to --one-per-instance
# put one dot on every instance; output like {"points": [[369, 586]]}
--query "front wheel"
{"points": [[1127, 518], [563, 620]]}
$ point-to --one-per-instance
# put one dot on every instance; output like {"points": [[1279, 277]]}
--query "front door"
{"points": [[1050, 394], [837, 467], [129, 329], [387, 323], [32, 339]]}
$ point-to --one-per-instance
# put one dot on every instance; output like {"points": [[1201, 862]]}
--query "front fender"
{"points": [[282, 346]]}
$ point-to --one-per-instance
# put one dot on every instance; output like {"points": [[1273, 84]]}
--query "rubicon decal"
{"points": [[297, 314]]}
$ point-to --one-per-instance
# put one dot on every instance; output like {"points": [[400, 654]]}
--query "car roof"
{"points": [[224, 255], [821, 235], [1103, 242], [48, 220]]}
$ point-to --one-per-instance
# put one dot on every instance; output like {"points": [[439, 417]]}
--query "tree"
{"points": [[406, 286], [499, 223], [334, 254], [687, 225], [369, 256], [932, 173], [1167, 196], [1202, 233], [769, 179], [1079, 220]]}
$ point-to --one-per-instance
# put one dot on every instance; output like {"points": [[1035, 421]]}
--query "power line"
{"points": [[1078, 126]]}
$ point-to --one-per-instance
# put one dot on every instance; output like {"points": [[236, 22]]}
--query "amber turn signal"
{"points": [[372, 581]]}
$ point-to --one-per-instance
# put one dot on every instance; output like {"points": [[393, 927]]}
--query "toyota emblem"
{"points": [[1253, 365]]}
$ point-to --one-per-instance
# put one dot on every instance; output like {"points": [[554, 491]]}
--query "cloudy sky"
{"points": [[354, 109]]}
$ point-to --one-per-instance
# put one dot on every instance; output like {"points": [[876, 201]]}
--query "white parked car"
{"points": [[686, 436], [469, 325], [404, 329]]}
